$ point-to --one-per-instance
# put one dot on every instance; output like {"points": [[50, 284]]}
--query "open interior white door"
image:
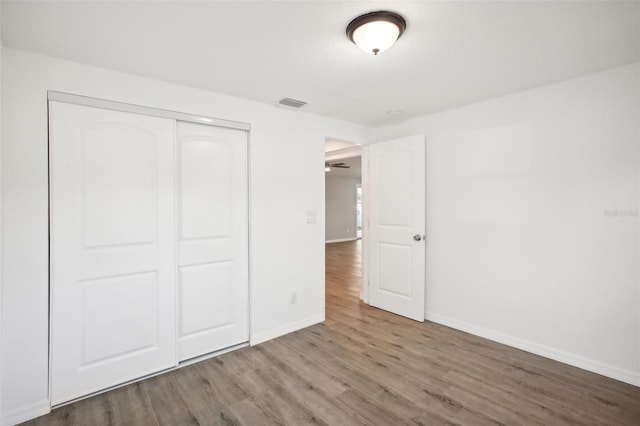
{"points": [[397, 226]]}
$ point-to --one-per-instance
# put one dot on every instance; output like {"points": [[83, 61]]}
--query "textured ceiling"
{"points": [[452, 54]]}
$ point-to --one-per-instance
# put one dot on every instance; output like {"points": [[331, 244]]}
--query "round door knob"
{"points": [[417, 237]]}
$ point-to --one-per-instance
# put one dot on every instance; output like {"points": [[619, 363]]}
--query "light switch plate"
{"points": [[312, 217]]}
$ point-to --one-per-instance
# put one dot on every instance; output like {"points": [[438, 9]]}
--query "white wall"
{"points": [[522, 245], [532, 220], [340, 207], [287, 254]]}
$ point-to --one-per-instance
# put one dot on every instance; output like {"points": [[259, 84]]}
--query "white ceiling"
{"points": [[333, 145], [452, 54]]}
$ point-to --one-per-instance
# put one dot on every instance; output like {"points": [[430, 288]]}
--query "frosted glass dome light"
{"points": [[376, 32]]}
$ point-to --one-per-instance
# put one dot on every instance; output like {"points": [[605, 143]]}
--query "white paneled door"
{"points": [[213, 298], [397, 226], [149, 245], [112, 248]]}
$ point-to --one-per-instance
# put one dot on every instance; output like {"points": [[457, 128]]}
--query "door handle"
{"points": [[417, 237]]}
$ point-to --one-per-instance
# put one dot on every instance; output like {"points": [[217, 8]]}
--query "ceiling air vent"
{"points": [[293, 103]]}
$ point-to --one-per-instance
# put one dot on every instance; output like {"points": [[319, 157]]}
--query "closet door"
{"points": [[213, 290], [112, 248]]}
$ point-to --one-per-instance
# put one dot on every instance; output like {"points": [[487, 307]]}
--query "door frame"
{"points": [[364, 285], [69, 98]]}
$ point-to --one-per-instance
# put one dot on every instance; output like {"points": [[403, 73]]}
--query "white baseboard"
{"points": [[25, 413], [289, 328], [616, 373], [341, 240]]}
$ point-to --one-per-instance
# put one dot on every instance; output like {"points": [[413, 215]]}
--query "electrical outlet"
{"points": [[293, 298]]}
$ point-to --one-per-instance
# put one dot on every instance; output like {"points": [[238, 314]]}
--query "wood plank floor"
{"points": [[365, 366]]}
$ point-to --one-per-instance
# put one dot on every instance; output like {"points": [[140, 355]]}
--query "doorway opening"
{"points": [[343, 220], [393, 206]]}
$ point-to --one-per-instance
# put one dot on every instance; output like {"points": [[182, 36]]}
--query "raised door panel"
{"points": [[118, 185], [119, 316], [394, 269], [205, 291], [213, 299], [395, 195], [205, 188], [112, 248]]}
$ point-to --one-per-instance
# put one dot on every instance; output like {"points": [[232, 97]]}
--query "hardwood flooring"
{"points": [[364, 366]]}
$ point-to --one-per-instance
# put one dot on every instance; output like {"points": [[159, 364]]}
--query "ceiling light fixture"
{"points": [[375, 32], [327, 168]]}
